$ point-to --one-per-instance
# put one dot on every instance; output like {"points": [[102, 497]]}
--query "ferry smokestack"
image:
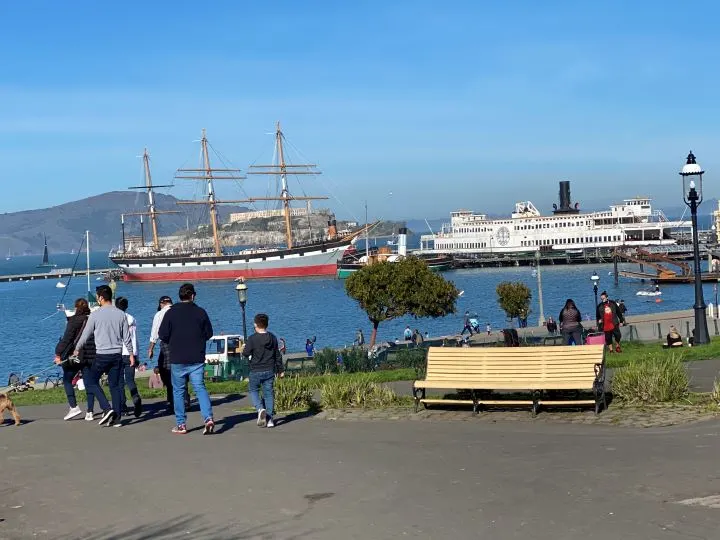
{"points": [[402, 241], [564, 195], [566, 205]]}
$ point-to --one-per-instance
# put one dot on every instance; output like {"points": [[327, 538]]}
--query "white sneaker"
{"points": [[262, 418], [89, 417], [72, 413], [270, 423]]}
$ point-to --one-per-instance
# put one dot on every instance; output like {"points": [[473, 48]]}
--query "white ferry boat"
{"points": [[632, 223]]}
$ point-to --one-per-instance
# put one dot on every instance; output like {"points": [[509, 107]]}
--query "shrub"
{"points": [[356, 392], [354, 360], [410, 358], [652, 379], [293, 393], [325, 361]]}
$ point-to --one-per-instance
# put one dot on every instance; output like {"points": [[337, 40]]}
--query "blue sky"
{"points": [[444, 104]]}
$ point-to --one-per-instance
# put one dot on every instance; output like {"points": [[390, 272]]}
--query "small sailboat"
{"points": [[8, 255], [60, 285], [46, 260]]}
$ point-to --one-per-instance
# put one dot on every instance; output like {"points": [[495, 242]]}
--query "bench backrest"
{"points": [[559, 363]]}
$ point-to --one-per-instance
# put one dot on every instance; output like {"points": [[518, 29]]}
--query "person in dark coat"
{"points": [[570, 321], [609, 318], [71, 368]]}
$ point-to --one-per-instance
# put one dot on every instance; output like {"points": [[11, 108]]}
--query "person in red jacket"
{"points": [[609, 318]]}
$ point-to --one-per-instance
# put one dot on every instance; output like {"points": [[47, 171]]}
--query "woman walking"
{"points": [[63, 352], [570, 321]]}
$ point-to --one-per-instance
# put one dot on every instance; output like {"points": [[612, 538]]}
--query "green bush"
{"points": [[294, 393], [354, 360], [359, 391], [652, 379]]}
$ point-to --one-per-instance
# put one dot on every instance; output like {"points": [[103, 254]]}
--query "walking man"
{"points": [[609, 318], [186, 328], [127, 375], [109, 326], [265, 362]]}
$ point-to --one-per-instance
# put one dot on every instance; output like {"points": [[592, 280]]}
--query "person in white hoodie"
{"points": [[127, 376]]}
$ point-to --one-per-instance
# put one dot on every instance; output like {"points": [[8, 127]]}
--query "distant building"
{"points": [[241, 217]]}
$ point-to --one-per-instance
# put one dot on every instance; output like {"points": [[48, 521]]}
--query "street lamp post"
{"points": [[693, 196], [595, 280], [242, 293], [541, 320]]}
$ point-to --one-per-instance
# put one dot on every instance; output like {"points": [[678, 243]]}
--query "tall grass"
{"points": [[715, 394], [358, 391], [293, 393], [652, 379]]}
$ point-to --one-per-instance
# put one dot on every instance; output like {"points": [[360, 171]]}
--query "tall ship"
{"points": [[293, 259], [630, 224]]}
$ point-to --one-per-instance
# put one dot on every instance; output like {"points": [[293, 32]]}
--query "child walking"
{"points": [[265, 362]]}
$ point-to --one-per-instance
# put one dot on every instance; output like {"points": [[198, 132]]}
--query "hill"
{"points": [[65, 225]]}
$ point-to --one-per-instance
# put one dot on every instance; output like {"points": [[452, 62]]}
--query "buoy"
{"points": [[658, 300]]}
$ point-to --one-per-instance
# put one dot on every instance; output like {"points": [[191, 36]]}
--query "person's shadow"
{"points": [[160, 408], [229, 422]]}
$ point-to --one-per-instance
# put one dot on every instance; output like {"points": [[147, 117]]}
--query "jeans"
{"points": [[574, 335], [112, 365], [196, 373], [167, 380], [127, 378], [266, 380], [68, 376]]}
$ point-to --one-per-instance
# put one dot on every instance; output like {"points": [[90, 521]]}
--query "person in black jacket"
{"points": [[63, 352], [186, 328], [609, 318], [265, 362]]}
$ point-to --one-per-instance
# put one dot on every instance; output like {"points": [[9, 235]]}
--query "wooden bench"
{"points": [[533, 370]]}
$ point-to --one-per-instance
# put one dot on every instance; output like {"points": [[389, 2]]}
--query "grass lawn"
{"points": [[57, 395], [635, 350]]}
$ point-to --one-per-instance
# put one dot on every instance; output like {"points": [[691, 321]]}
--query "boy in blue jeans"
{"points": [[265, 362]]}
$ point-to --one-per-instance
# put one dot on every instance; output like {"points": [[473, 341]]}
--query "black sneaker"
{"points": [[107, 415], [137, 411]]}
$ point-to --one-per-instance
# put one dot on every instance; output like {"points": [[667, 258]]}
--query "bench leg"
{"points": [[475, 402], [418, 394], [536, 403], [600, 401]]}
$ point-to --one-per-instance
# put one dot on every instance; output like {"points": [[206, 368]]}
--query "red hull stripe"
{"points": [[300, 271]]}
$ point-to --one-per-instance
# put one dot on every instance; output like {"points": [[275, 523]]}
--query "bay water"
{"points": [[30, 325]]}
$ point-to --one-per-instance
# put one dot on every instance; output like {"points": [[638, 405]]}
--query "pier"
{"points": [[57, 274]]}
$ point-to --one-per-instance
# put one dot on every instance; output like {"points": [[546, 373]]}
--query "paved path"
{"points": [[317, 479]]}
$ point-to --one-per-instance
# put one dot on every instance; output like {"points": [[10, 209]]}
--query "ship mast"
{"points": [[281, 169], [207, 174], [152, 211]]}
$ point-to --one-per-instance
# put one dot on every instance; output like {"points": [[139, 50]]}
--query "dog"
{"points": [[7, 404]]}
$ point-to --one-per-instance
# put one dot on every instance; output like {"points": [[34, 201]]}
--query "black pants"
{"points": [[610, 334], [112, 365], [468, 328], [127, 379], [166, 377]]}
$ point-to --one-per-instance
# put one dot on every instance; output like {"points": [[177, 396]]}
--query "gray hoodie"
{"points": [[110, 328]]}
